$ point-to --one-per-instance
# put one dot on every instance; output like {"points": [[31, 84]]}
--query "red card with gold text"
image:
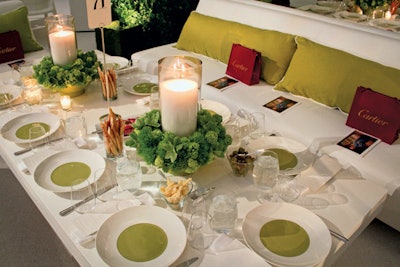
{"points": [[376, 114]]}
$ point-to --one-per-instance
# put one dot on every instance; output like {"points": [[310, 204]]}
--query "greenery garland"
{"points": [[56, 77], [179, 155]]}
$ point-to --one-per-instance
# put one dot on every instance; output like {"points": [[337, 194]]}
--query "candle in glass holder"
{"points": [[65, 101], [33, 95], [179, 79], [179, 106], [62, 39]]}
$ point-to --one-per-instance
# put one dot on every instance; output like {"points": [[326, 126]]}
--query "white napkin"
{"points": [[323, 169], [226, 251], [143, 101], [88, 223]]}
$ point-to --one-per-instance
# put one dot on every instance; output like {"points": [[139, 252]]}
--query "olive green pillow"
{"points": [[331, 76], [18, 20], [214, 37]]}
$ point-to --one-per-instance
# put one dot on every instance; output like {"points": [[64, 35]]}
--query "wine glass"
{"points": [[36, 131], [200, 233], [265, 175]]}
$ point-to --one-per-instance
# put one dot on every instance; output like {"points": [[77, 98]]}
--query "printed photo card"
{"points": [[222, 83], [358, 142], [281, 104]]}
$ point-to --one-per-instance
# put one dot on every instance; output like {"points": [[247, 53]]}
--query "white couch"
{"points": [[313, 124]]}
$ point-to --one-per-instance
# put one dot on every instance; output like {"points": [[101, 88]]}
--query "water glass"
{"points": [[265, 175], [129, 176], [223, 212], [257, 122], [287, 188], [233, 129], [75, 126], [154, 98]]}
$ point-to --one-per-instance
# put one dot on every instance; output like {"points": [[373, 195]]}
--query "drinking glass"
{"points": [[200, 234], [79, 192], [223, 212], [265, 175], [75, 126], [105, 179], [154, 98], [287, 189], [233, 129], [129, 175], [257, 122], [35, 132]]}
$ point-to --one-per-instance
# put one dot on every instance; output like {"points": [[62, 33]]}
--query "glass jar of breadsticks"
{"points": [[113, 127], [108, 76]]}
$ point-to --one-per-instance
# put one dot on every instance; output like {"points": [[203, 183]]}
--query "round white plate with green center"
{"points": [[287, 235], [58, 172], [127, 237], [9, 93], [17, 129]]}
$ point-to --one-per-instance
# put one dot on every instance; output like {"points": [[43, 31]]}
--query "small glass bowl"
{"points": [[179, 204], [240, 162]]}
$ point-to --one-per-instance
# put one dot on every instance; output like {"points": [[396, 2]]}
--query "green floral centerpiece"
{"points": [[179, 155], [69, 78], [369, 5]]}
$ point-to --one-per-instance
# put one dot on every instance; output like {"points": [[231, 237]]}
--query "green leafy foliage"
{"points": [[366, 5], [132, 13], [81, 72], [176, 154]]}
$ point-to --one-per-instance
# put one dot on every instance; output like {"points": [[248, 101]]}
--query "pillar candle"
{"points": [[179, 106], [63, 47]]}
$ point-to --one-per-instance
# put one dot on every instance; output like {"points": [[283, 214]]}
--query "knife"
{"points": [[85, 200], [36, 146], [187, 262]]}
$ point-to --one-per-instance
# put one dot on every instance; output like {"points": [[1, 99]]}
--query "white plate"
{"points": [[43, 171], [107, 236], [323, 10], [304, 157], [352, 16], [320, 239], [10, 128], [13, 90], [130, 81], [332, 4], [391, 25], [217, 107], [117, 62]]}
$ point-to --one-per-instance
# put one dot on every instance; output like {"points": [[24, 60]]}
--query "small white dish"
{"points": [[352, 16], [13, 91], [323, 10], [111, 229], [217, 107], [10, 129]]}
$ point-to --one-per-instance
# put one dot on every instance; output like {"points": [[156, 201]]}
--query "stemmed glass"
{"points": [[36, 131], [200, 233]]}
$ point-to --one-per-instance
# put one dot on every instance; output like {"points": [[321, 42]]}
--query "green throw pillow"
{"points": [[331, 76], [214, 37], [18, 20]]}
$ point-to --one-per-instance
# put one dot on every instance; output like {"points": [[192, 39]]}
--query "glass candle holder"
{"points": [[179, 79], [65, 101], [32, 95], [62, 39]]}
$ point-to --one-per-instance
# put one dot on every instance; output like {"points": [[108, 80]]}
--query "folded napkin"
{"points": [[323, 169], [89, 223], [226, 251], [143, 101]]}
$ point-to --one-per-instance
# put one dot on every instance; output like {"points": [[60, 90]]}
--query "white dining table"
{"points": [[363, 199]]}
